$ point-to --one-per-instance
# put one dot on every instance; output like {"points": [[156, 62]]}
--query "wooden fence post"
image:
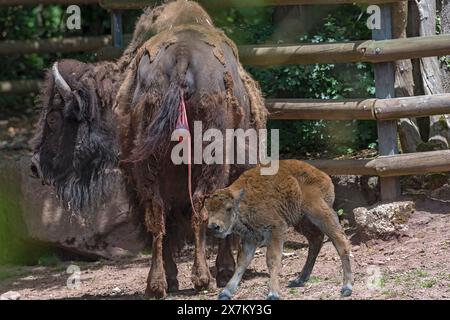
{"points": [[116, 28], [384, 84]]}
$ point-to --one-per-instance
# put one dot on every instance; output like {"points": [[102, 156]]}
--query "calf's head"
{"points": [[223, 208], [75, 139]]}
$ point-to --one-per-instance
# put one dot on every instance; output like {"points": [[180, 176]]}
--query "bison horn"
{"points": [[61, 84]]}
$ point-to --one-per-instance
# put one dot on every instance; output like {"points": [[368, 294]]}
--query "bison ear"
{"points": [[238, 195]]}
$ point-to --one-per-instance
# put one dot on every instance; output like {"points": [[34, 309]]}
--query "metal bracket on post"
{"points": [[384, 83], [116, 28]]}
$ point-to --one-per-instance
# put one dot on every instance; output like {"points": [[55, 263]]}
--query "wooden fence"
{"points": [[381, 50]]}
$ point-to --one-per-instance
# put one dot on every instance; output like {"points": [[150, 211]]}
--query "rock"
{"points": [[354, 191], [110, 231], [116, 290], [383, 221], [10, 295]]}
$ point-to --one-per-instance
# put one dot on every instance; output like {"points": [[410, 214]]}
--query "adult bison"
{"points": [[189, 71], [76, 148], [75, 142]]}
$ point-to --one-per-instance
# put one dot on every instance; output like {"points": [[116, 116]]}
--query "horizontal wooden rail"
{"points": [[75, 44], [137, 4], [19, 86], [263, 55], [314, 109], [363, 51], [46, 2], [389, 166], [336, 52], [359, 109]]}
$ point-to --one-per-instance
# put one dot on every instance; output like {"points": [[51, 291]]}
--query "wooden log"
{"points": [[384, 86], [262, 55], [358, 109], [389, 166], [363, 51], [408, 131], [418, 106], [75, 44], [214, 4], [311, 109], [45, 2], [431, 75], [315, 109]]}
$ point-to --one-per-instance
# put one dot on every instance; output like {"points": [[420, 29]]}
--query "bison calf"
{"points": [[260, 209]]}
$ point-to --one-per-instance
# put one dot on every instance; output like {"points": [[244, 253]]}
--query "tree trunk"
{"points": [[292, 22], [404, 83], [445, 28], [432, 76]]}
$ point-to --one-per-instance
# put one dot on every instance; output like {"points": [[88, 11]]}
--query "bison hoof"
{"points": [[201, 283], [299, 282], [224, 296], [172, 285], [346, 290], [156, 290], [223, 277], [273, 296]]}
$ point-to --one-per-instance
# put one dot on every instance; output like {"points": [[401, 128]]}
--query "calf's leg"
{"points": [[324, 217], [315, 240], [224, 262], [245, 256], [273, 258]]}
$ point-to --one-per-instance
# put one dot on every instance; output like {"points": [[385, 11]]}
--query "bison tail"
{"points": [[161, 127]]}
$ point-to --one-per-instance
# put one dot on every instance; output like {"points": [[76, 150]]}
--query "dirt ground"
{"points": [[415, 265]]}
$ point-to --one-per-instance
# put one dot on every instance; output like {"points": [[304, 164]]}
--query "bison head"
{"points": [[223, 210], [75, 143]]}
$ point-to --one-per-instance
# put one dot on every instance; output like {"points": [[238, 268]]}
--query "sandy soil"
{"points": [[416, 265]]}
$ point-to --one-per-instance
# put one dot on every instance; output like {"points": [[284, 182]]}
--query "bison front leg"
{"points": [[156, 281], [201, 277], [245, 256]]}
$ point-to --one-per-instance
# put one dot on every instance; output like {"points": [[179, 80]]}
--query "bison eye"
{"points": [[53, 119]]}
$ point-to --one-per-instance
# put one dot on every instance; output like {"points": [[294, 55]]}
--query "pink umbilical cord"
{"points": [[183, 124]]}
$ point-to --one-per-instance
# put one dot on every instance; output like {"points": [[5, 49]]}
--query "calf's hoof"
{"points": [[224, 296], [156, 289], [346, 290], [273, 296], [223, 276]]}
